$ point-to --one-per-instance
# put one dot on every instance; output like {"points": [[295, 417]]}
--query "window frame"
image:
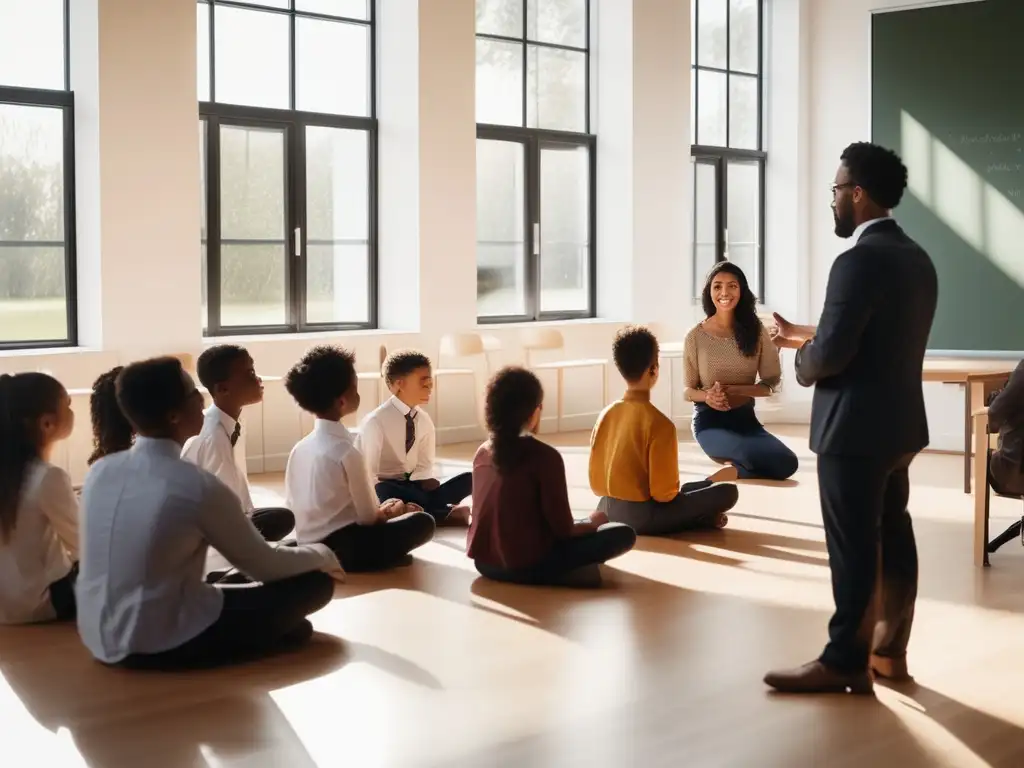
{"points": [[293, 122], [533, 140], [63, 100], [721, 156]]}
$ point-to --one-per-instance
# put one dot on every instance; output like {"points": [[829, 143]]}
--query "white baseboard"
{"points": [[464, 434]]}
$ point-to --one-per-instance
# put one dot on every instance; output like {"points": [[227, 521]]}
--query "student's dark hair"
{"points": [[634, 350], [747, 330], [513, 394], [24, 399], [403, 362], [111, 430], [149, 390], [324, 374], [878, 171], [214, 366]]}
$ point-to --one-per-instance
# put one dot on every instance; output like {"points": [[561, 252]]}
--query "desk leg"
{"points": [[981, 498], [974, 398]]}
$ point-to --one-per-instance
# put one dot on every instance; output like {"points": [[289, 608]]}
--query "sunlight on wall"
{"points": [[970, 206]]}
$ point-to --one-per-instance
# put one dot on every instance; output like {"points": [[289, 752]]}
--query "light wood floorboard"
{"points": [[431, 666]]}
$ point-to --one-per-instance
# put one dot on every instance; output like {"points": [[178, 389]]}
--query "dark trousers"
{"points": [[1005, 477], [436, 503], [737, 437], [568, 555], [257, 619], [697, 506], [62, 596], [273, 523], [380, 546], [872, 554]]}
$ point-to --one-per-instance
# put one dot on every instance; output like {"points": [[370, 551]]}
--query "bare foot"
{"points": [[458, 516], [721, 521], [726, 474]]}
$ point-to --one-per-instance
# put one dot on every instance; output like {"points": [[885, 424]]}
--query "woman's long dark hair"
{"points": [[747, 330], [25, 398], [111, 431], [513, 394]]}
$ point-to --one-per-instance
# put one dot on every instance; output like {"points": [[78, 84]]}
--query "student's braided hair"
{"points": [[513, 394], [111, 431]]}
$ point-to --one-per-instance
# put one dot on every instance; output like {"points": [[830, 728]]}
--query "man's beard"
{"points": [[844, 222]]}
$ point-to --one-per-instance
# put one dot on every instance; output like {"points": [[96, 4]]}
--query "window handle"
{"points": [[298, 242], [536, 238]]}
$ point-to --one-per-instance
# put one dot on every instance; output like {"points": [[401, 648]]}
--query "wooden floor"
{"points": [[431, 666]]}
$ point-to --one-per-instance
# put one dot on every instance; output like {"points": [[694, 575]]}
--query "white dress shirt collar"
{"points": [[332, 428], [213, 413], [862, 227], [403, 409], [159, 446]]}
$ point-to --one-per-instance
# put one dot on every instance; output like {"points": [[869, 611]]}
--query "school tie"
{"points": [[236, 433], [410, 430]]}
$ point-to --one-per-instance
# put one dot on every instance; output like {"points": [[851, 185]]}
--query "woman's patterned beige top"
{"points": [[708, 358]]}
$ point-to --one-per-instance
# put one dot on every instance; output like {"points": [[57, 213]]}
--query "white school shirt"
{"points": [[148, 518], [382, 443], [41, 547], [327, 485], [211, 449]]}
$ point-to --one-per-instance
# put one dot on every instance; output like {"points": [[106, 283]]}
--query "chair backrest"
{"points": [[187, 360], [541, 338], [462, 345]]}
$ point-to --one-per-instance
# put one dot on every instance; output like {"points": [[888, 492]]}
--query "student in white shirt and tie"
{"points": [[148, 518], [398, 442], [229, 375], [38, 509], [327, 483]]}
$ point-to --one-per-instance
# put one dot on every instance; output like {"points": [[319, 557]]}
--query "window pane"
{"points": [[202, 219], [564, 229], [350, 9], [743, 217], [711, 33], [556, 89], [743, 38], [711, 108], [32, 43], [252, 57], [33, 278], [203, 51], [499, 82], [253, 246], [338, 225], [742, 112], [500, 226], [332, 61], [563, 22], [705, 222], [499, 17]]}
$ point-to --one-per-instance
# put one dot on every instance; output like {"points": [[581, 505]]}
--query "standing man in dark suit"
{"points": [[867, 424]]}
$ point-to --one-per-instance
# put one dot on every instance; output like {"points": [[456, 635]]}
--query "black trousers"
{"points": [[257, 619], [568, 555], [872, 554], [62, 596], [273, 523], [436, 503], [380, 546]]}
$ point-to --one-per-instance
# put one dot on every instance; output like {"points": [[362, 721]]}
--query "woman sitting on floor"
{"points": [[523, 529], [38, 509], [729, 360]]}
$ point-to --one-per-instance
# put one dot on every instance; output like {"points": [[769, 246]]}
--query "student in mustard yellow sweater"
{"points": [[634, 455]]}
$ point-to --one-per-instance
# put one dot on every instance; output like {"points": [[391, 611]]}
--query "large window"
{"points": [[535, 160], [289, 165], [37, 223], [726, 125]]}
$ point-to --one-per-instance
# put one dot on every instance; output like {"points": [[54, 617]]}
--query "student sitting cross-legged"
{"points": [[111, 431], [148, 518], [398, 442], [634, 454], [327, 483], [523, 529], [38, 509], [228, 373]]}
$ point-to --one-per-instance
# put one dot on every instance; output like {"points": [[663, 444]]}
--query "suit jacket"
{"points": [[866, 358]]}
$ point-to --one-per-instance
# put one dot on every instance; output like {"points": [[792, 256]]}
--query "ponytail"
{"points": [[24, 399], [513, 395], [111, 430]]}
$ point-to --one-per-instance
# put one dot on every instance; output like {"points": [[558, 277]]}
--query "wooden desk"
{"points": [[979, 379]]}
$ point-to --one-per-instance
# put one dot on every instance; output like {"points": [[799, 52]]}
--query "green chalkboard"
{"points": [[948, 95]]}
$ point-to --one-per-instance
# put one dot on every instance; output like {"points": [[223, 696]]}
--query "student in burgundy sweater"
{"points": [[523, 530]]}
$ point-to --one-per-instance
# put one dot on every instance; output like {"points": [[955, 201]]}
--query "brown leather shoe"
{"points": [[815, 677], [892, 668]]}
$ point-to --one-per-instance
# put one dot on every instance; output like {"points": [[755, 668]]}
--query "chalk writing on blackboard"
{"points": [[991, 138]]}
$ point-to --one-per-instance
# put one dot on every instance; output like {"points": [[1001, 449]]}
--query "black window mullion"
{"points": [[296, 222], [70, 218], [728, 76], [212, 12], [213, 228], [535, 237]]}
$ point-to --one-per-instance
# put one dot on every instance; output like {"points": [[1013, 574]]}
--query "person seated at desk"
{"points": [[729, 360], [1006, 416]]}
